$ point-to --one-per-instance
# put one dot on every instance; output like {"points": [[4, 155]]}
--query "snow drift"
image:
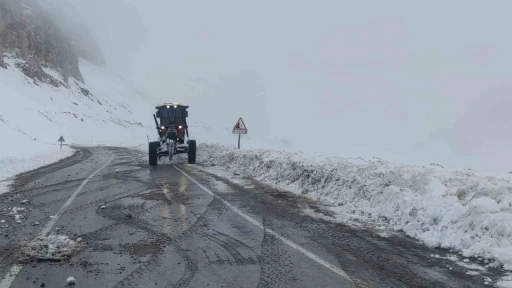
{"points": [[463, 210]]}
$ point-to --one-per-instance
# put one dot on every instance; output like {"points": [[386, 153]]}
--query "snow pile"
{"points": [[15, 212], [11, 166], [53, 248], [71, 281], [463, 210]]}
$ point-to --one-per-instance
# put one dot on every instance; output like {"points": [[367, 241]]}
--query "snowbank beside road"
{"points": [[11, 166], [462, 210]]}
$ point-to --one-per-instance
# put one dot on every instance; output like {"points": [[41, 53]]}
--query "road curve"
{"points": [[179, 226]]}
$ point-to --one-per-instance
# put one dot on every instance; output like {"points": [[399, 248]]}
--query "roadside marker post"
{"points": [[240, 129]]}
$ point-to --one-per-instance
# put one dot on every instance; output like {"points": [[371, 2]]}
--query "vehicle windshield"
{"points": [[171, 115]]}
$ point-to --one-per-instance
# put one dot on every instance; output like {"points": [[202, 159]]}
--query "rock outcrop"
{"points": [[30, 34]]}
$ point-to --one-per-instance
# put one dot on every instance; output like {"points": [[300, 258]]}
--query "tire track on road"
{"points": [[109, 198], [190, 265], [231, 247], [16, 269], [191, 268], [275, 262]]}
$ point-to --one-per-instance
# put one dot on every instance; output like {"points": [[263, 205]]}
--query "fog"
{"points": [[407, 81]]}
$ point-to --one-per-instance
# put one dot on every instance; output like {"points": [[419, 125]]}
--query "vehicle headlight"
{"points": [[162, 127], [181, 127], [175, 106]]}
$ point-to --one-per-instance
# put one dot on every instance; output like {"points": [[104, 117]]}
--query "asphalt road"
{"points": [[179, 226]]}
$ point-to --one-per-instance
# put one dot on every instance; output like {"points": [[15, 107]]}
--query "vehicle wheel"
{"points": [[192, 152], [153, 153]]}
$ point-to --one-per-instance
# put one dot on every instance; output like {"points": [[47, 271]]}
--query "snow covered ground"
{"points": [[102, 111], [463, 210], [33, 115], [11, 166]]}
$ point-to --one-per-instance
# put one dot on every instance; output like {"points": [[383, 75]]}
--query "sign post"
{"points": [[240, 129], [61, 139]]}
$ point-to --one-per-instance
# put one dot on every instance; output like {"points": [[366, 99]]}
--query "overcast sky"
{"points": [[404, 80]]}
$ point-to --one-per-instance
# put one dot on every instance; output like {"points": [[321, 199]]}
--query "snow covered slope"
{"points": [[105, 110], [34, 114], [101, 111], [462, 210]]}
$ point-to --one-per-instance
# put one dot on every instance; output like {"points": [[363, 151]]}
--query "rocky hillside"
{"points": [[28, 33]]}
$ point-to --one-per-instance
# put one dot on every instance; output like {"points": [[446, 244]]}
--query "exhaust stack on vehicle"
{"points": [[157, 127]]}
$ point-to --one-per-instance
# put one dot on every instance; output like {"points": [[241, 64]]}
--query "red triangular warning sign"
{"points": [[240, 127]]}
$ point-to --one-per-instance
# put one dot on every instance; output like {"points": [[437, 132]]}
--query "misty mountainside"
{"points": [[44, 95], [35, 114], [30, 34]]}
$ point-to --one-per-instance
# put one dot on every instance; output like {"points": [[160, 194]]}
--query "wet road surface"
{"points": [[179, 226]]}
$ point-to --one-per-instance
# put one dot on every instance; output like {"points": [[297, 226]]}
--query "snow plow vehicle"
{"points": [[172, 128]]}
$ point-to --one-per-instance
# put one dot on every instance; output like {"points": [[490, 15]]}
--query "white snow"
{"points": [[18, 217], [471, 266], [54, 246], [71, 281], [58, 244], [53, 73], [462, 210], [505, 282], [10, 166], [15, 210], [33, 115]]}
